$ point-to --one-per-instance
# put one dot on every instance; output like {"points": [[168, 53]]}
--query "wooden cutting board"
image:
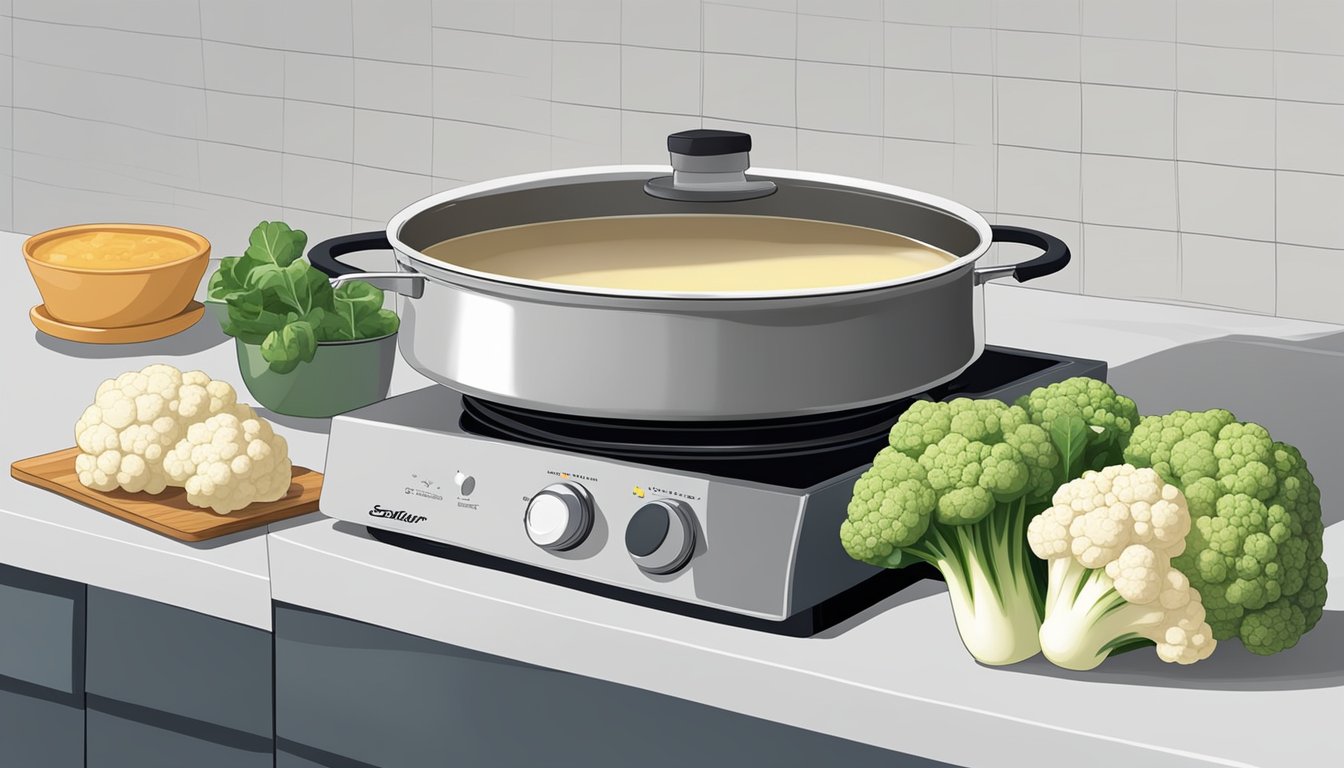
{"points": [[167, 513]]}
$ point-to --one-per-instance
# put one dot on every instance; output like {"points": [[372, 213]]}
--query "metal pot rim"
{"points": [[523, 181]]}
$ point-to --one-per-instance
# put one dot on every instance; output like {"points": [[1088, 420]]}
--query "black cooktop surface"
{"points": [[794, 452]]}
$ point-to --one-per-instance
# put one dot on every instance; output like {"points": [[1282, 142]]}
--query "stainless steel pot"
{"points": [[688, 356]]}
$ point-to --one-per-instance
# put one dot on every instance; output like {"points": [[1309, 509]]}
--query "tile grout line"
{"points": [[1082, 214], [354, 98], [1274, 89], [1176, 167], [205, 98]]}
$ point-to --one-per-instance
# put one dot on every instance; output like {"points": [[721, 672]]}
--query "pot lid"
{"points": [[709, 175]]}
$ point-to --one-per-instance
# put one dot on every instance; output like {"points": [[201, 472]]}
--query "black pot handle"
{"points": [[1055, 257], [324, 258], [324, 255]]}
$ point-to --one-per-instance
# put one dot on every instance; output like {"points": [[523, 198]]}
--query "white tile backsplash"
{"points": [[1130, 19], [584, 136], [587, 21], [1230, 71], [839, 97], [973, 109], [1230, 23], [314, 184], [918, 105], [1309, 209], [1221, 200], [378, 194], [934, 13], [661, 23], [241, 172], [975, 175], [1142, 63], [1310, 137], [1039, 113], [394, 87], [1123, 262], [1221, 271], [243, 69], [748, 88], [840, 40], [319, 130], [839, 153], [1128, 121], [458, 151], [922, 165], [973, 50], [392, 141], [252, 121], [589, 73], [1037, 55], [736, 28], [1307, 283], [659, 80], [917, 46], [230, 21], [1189, 150], [158, 58], [160, 17], [1061, 16], [863, 10], [392, 30], [1231, 130], [315, 26], [1309, 26], [1039, 182], [324, 79], [1309, 77], [1129, 192]]}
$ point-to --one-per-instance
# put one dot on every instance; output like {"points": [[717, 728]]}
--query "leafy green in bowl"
{"points": [[284, 305]]}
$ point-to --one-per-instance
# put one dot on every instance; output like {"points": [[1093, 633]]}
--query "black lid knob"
{"points": [[702, 142]]}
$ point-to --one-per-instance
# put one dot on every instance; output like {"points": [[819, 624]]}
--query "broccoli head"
{"points": [[1254, 549], [1085, 410], [955, 488]]}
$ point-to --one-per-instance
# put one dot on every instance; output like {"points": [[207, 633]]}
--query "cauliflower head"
{"points": [[230, 460], [136, 418], [1110, 539], [1254, 548]]}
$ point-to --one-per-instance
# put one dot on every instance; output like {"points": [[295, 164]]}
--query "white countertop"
{"points": [[895, 676]]}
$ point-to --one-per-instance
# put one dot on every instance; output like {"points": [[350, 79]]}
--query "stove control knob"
{"points": [[661, 536], [559, 516]]}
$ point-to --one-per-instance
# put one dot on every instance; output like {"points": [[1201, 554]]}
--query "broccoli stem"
{"points": [[1086, 620], [995, 598]]}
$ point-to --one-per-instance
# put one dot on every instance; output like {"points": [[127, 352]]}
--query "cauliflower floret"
{"points": [[135, 418], [229, 461], [1110, 538]]}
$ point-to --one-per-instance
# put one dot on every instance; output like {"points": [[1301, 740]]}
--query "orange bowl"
{"points": [[117, 298]]}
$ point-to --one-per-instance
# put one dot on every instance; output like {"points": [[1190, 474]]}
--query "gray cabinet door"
{"points": [[41, 670], [121, 737], [171, 687], [351, 695]]}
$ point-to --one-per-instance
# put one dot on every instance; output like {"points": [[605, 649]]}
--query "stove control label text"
{"points": [[399, 515]]}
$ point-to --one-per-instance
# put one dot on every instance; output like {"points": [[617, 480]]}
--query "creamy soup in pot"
{"points": [[692, 253]]}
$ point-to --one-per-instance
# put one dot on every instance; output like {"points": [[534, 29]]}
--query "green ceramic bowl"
{"points": [[342, 376]]}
